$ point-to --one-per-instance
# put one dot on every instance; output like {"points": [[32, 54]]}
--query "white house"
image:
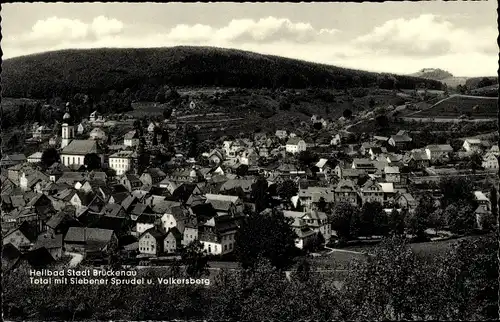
{"points": [[335, 140], [437, 151], [97, 134], [305, 235], [96, 117], [217, 235], [131, 139], [472, 145], [322, 165], [281, 134], [35, 157], [122, 161], [490, 161], [151, 127], [151, 242], [295, 145]]}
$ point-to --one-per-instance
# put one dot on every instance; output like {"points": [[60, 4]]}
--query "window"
{"points": [[209, 249], [225, 247]]}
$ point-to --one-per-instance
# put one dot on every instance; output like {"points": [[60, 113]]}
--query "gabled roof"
{"points": [[140, 209], [85, 234], [294, 141], [26, 229], [244, 184], [14, 157], [131, 135], [440, 147], [49, 241], [345, 186], [81, 147], [175, 232], [157, 234], [401, 138], [38, 258], [112, 209], [391, 170]]}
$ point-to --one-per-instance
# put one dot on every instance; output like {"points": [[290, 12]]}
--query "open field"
{"points": [[426, 249], [454, 106]]}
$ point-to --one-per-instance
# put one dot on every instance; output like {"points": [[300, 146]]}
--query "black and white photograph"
{"points": [[227, 161]]}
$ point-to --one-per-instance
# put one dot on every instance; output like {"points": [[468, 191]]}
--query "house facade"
{"points": [[122, 161], [295, 145]]}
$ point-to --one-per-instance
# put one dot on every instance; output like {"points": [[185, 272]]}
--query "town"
{"points": [[88, 192], [250, 161]]}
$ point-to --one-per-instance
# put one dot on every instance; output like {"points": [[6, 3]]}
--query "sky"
{"points": [[394, 37]]}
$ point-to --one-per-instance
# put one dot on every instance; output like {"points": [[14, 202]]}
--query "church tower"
{"points": [[68, 128]]}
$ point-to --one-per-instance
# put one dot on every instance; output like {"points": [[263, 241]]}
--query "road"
{"points": [[445, 120]]}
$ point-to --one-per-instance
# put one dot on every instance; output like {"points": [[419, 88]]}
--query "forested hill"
{"points": [[67, 72]]}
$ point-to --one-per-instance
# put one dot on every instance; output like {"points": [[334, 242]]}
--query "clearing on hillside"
{"points": [[457, 105]]}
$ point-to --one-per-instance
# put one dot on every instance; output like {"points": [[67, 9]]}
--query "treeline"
{"points": [[393, 284], [51, 110], [68, 72], [454, 212]]}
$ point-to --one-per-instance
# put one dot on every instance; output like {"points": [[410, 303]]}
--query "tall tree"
{"points": [[418, 221], [195, 259], [389, 285], [268, 236], [460, 217], [342, 218], [397, 221], [259, 194], [49, 157], [92, 161]]}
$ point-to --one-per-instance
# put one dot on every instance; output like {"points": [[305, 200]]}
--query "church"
{"points": [[73, 151]]}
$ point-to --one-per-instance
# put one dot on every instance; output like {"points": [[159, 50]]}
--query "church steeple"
{"points": [[68, 129]]}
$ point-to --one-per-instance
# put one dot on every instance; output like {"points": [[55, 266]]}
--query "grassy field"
{"points": [[427, 249], [455, 106]]}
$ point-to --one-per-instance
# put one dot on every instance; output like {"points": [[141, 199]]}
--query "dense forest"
{"points": [[96, 71]]}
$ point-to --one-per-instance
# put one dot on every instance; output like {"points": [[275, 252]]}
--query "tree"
{"points": [[284, 105], [167, 112], [194, 258], [347, 113], [475, 162], [49, 157], [371, 103], [305, 158], [268, 236], [469, 275], [455, 189], [287, 189], [259, 194], [155, 138], [484, 82], [322, 204], [160, 96], [92, 161], [318, 126], [342, 218], [417, 222], [396, 222], [164, 137], [389, 285], [382, 121], [437, 219], [460, 217]]}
